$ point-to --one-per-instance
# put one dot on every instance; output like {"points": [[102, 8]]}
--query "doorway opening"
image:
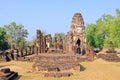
{"points": [[78, 49]]}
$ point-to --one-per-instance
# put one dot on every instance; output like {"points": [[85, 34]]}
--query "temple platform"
{"points": [[57, 62]]}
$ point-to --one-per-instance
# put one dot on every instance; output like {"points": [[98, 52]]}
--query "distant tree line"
{"points": [[3, 42], [12, 35], [106, 29]]}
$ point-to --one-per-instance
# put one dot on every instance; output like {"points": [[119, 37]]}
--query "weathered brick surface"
{"points": [[112, 57], [74, 41], [5, 70], [111, 48], [55, 61], [58, 74]]}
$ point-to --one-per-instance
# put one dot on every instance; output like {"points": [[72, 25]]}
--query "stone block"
{"points": [[5, 70]]}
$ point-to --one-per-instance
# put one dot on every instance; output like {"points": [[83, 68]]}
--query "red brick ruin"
{"points": [[7, 74], [58, 54], [73, 43], [110, 54], [64, 53]]}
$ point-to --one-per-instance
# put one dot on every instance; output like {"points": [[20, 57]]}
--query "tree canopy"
{"points": [[15, 34], [105, 29], [3, 43]]}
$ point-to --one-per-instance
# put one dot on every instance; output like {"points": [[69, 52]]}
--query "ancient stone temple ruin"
{"points": [[64, 53], [75, 41], [40, 43], [56, 54], [111, 48], [110, 55]]}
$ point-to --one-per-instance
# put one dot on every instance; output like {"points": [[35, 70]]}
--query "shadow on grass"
{"points": [[18, 77], [82, 68], [1, 66]]}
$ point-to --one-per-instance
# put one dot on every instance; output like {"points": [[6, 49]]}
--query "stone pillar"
{"points": [[32, 50], [36, 50], [20, 53], [90, 53], [41, 45], [28, 50], [44, 45], [24, 51], [111, 48], [38, 41], [55, 44], [15, 54], [64, 46], [48, 40]]}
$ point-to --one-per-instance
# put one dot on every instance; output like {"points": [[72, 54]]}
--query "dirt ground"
{"points": [[96, 70]]}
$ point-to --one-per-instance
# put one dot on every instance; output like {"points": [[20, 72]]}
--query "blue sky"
{"points": [[53, 15]]}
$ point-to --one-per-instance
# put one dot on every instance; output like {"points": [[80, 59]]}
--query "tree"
{"points": [[62, 35], [3, 43], [94, 38], [105, 29], [16, 34], [32, 42], [115, 29]]}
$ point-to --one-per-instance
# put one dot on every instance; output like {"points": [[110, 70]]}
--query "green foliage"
{"points": [[32, 42], [62, 35], [105, 29], [94, 38], [43, 33], [3, 43], [16, 34]]}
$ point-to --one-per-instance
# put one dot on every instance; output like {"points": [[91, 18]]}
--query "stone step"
{"points": [[13, 76], [58, 74], [9, 76], [5, 70]]}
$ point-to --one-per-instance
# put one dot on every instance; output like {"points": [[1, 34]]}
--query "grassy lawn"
{"points": [[96, 70]]}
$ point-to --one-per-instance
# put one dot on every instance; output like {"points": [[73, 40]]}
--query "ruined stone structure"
{"points": [[48, 41], [40, 42], [55, 43], [111, 48], [56, 61], [110, 55], [7, 74], [59, 45], [59, 42], [74, 41], [58, 74], [61, 54]]}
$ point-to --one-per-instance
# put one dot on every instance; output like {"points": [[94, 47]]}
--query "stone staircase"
{"points": [[6, 74]]}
